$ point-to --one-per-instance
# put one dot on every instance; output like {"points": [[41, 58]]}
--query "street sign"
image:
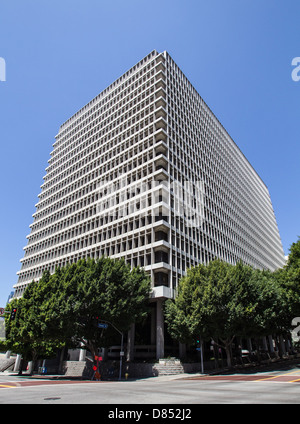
{"points": [[102, 325]]}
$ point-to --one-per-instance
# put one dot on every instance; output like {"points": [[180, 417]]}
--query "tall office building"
{"points": [[146, 172]]}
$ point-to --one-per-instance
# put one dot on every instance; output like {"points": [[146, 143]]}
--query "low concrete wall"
{"points": [[74, 369], [7, 364], [110, 369]]}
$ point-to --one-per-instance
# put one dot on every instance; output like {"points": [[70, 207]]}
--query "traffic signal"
{"points": [[13, 314], [198, 345], [95, 320]]}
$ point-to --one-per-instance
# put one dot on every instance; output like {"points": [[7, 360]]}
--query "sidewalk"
{"points": [[52, 377], [255, 368]]}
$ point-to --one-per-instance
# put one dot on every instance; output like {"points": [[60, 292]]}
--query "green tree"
{"points": [[182, 313], [221, 301], [205, 305], [24, 334], [63, 308], [294, 256], [106, 290], [219, 312], [289, 280]]}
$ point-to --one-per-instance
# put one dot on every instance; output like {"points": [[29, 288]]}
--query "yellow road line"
{"points": [[267, 378], [280, 375]]}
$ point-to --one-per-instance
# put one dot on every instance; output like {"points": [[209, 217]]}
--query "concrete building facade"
{"points": [[146, 172]]}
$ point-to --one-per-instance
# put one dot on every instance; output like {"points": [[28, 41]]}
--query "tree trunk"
{"points": [[227, 346], [61, 359], [228, 355], [31, 365]]}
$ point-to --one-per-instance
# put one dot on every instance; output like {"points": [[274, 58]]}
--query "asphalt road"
{"points": [[276, 387]]}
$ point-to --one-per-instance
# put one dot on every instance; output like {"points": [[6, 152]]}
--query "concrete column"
{"points": [[153, 327], [61, 359], [17, 363], [82, 355], [7, 355], [160, 339], [130, 343], [104, 353], [182, 350], [30, 367]]}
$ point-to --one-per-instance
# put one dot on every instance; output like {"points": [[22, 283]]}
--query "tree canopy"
{"points": [[64, 308], [219, 301]]}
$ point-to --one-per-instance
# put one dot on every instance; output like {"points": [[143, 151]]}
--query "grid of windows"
{"points": [[239, 222], [108, 187]]}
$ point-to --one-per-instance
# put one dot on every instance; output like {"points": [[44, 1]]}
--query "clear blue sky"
{"points": [[61, 54]]}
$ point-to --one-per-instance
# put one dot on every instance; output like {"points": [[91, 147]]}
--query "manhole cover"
{"points": [[52, 398]]}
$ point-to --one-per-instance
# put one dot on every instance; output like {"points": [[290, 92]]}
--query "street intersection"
{"points": [[277, 387]]}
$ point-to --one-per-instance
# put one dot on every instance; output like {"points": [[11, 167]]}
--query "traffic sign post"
{"points": [[104, 325], [121, 357], [201, 350]]}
